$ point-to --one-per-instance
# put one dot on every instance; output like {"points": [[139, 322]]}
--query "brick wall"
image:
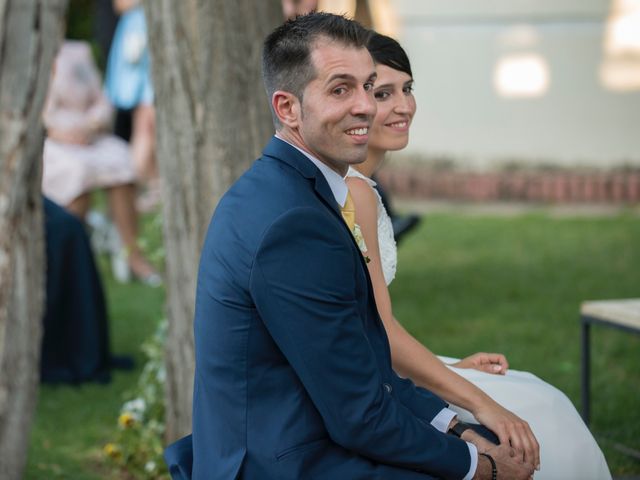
{"points": [[557, 187]]}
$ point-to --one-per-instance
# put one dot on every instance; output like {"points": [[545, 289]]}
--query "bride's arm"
{"points": [[410, 358], [413, 360]]}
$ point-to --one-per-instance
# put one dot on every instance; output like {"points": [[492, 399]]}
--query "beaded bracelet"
{"points": [[494, 467]]}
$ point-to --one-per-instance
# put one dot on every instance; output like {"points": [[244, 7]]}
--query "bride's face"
{"points": [[393, 92]]}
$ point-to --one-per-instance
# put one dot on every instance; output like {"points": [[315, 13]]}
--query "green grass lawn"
{"points": [[514, 285], [464, 284], [72, 424]]}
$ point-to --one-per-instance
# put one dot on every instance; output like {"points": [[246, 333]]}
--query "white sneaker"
{"points": [[100, 231], [119, 257], [120, 266]]}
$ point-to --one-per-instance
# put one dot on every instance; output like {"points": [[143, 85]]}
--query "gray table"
{"points": [[620, 314]]}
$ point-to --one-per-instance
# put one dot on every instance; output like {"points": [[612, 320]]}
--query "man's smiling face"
{"points": [[338, 105]]}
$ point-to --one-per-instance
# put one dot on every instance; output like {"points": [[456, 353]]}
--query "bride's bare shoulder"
{"points": [[364, 198]]}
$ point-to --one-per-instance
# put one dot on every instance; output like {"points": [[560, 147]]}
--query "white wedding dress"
{"points": [[568, 451]]}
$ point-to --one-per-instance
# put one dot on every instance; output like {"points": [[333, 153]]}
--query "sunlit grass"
{"points": [[514, 285], [464, 284]]}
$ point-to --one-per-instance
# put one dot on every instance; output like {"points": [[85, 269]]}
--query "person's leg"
{"points": [[79, 206], [143, 152], [143, 143], [125, 217]]}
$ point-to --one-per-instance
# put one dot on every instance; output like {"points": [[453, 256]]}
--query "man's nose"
{"points": [[364, 103]]}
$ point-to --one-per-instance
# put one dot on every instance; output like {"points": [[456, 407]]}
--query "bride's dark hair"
{"points": [[386, 51]]}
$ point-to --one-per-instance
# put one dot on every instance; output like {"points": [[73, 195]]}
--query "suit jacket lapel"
{"points": [[281, 150]]}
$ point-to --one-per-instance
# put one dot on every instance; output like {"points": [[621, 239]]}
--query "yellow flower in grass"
{"points": [[126, 420], [112, 450]]}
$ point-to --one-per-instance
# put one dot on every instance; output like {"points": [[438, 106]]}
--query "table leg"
{"points": [[586, 370]]}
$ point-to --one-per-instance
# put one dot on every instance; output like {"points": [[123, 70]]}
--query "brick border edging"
{"points": [[558, 187]]}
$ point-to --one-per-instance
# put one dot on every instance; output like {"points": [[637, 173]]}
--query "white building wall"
{"points": [[454, 47]]}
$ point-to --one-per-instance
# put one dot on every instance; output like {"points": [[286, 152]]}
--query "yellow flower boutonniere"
{"points": [[357, 234]]}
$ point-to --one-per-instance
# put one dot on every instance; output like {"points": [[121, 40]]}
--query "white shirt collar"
{"points": [[336, 182]]}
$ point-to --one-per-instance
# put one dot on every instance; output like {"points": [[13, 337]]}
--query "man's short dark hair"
{"points": [[286, 56]]}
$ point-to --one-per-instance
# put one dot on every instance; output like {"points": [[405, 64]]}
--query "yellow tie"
{"points": [[349, 212]]}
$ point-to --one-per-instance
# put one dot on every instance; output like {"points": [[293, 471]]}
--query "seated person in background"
{"points": [[80, 157], [75, 343]]}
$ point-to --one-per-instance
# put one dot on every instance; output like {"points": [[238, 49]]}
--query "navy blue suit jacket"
{"points": [[293, 369]]}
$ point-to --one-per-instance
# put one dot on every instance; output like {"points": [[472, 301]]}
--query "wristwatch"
{"points": [[459, 428]]}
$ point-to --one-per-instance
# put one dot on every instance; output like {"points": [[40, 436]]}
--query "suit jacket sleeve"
{"points": [[303, 285], [422, 403]]}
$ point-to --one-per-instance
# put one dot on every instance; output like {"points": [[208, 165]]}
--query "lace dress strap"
{"points": [[386, 240]]}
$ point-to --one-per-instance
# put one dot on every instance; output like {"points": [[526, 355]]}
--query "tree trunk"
{"points": [[30, 32], [363, 13], [212, 121]]}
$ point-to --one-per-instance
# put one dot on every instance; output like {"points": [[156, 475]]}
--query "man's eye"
{"points": [[408, 89], [368, 86], [339, 91], [381, 95]]}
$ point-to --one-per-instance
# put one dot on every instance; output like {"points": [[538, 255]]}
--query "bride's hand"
{"points": [[485, 362], [511, 430]]}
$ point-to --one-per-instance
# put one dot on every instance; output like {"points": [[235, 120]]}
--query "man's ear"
{"points": [[287, 108]]}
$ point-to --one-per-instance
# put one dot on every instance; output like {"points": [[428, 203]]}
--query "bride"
{"points": [[473, 385]]}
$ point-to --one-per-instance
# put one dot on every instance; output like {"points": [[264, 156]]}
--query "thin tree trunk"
{"points": [[212, 121], [30, 31], [363, 13]]}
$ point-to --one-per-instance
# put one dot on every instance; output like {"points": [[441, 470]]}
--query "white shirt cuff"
{"points": [[442, 420], [473, 451]]}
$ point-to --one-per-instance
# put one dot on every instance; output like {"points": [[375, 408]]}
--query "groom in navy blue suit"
{"points": [[293, 370]]}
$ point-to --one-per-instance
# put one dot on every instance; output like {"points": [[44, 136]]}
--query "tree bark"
{"points": [[212, 121], [30, 32], [363, 13]]}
